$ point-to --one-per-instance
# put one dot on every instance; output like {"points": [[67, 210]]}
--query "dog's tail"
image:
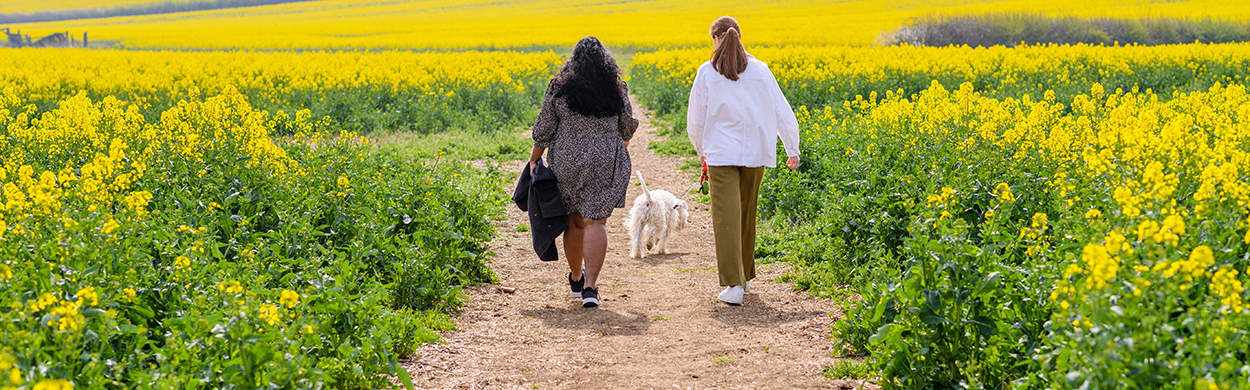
{"points": [[644, 186]]}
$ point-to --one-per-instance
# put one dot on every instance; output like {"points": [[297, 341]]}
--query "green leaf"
{"points": [[930, 318]]}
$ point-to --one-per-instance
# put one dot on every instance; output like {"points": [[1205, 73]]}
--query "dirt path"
{"points": [[660, 325]]}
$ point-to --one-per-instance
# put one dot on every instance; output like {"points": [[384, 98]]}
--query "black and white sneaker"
{"points": [[590, 297], [575, 286]]}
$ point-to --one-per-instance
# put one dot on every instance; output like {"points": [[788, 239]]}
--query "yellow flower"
{"points": [[309, 329], [289, 299], [1040, 221], [110, 226], [1004, 193], [1116, 243], [1102, 267], [182, 262], [1229, 289], [230, 287], [269, 313], [8, 363], [88, 294], [1092, 213], [67, 317], [1202, 257], [54, 384], [45, 300], [1173, 227], [1147, 229], [6, 272], [130, 294]]}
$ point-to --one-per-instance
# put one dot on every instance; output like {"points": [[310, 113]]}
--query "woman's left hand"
{"points": [[793, 162]]}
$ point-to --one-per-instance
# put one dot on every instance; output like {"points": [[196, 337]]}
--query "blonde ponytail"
{"points": [[729, 57]]}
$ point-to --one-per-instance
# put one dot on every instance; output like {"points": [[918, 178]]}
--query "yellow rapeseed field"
{"points": [[359, 91], [356, 24]]}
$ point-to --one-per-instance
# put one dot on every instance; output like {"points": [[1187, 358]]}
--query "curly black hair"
{"points": [[590, 81]]}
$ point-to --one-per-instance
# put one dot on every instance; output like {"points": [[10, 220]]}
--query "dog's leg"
{"points": [[663, 232], [636, 236]]}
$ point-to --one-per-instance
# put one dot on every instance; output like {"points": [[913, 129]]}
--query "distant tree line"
{"points": [[1011, 29], [134, 10]]}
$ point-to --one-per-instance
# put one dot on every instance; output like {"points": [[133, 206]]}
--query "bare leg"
{"points": [[594, 247], [573, 236]]}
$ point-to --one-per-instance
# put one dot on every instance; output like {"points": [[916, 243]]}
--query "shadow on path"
{"points": [[757, 313], [657, 259], [605, 322]]}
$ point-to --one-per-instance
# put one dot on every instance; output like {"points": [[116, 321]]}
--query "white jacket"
{"points": [[736, 123]]}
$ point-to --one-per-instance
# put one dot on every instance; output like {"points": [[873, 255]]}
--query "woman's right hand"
{"points": [[793, 162]]}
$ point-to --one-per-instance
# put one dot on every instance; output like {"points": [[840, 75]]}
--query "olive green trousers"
{"points": [[735, 192]]}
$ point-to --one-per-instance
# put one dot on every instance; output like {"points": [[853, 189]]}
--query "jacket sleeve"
{"points": [[545, 126], [626, 123], [787, 124], [696, 112], [520, 195]]}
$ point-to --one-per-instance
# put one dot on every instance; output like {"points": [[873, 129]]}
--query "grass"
{"points": [[458, 144], [847, 369], [672, 126], [695, 269]]}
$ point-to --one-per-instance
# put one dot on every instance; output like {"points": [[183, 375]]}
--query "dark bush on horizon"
{"points": [[1011, 29]]}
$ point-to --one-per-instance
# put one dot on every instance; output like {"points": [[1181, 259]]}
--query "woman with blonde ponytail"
{"points": [[736, 113]]}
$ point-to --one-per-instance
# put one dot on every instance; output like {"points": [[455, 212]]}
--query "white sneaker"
{"points": [[746, 286], [732, 295]]}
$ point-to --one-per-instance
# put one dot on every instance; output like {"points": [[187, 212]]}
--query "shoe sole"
{"points": [[730, 303], [590, 302], [575, 294]]}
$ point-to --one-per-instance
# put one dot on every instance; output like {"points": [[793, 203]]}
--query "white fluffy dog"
{"points": [[656, 215]]}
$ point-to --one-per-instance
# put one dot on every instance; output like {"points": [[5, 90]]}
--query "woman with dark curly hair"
{"points": [[585, 125]]}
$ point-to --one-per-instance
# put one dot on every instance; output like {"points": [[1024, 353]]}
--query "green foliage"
{"points": [[320, 271]]}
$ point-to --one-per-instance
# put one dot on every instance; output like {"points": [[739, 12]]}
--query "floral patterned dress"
{"points": [[587, 154]]}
